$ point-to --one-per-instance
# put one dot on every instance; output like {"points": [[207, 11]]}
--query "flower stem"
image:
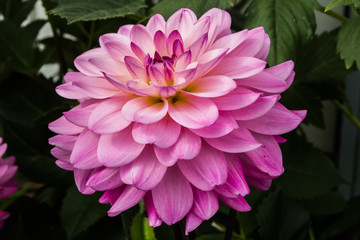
{"points": [[230, 224], [348, 113], [179, 230], [334, 15], [311, 234]]}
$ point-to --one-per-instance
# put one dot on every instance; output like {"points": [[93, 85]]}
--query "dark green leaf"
{"points": [[23, 11], [289, 24], [79, 211], [211, 237], [319, 77], [33, 28], [86, 10], [168, 7], [42, 169], [308, 172], [348, 43], [281, 218], [329, 203], [15, 43], [345, 223], [338, 3]]}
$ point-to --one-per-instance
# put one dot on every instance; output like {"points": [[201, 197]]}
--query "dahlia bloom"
{"points": [[7, 185], [181, 113]]}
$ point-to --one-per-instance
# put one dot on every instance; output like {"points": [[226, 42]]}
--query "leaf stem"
{"points": [[91, 35], [348, 113], [334, 15], [311, 234], [355, 11], [230, 224]]}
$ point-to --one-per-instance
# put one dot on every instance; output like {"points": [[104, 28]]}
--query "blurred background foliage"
{"points": [[304, 203]]}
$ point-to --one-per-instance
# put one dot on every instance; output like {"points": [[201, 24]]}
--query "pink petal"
{"points": [[268, 157], [145, 110], [220, 22], [181, 20], [252, 45], [193, 112], [239, 140], [209, 60], [278, 120], [206, 204], [173, 37], [163, 133], [6, 173], [211, 86], [222, 126], [138, 52], [250, 169], [117, 45], [105, 179], [193, 34], [141, 88], [93, 87], [84, 155], [142, 37], [156, 23], [64, 142], [80, 114], [230, 41], [125, 30], [67, 90], [238, 98], [192, 222], [61, 154], [107, 117], [160, 43], [110, 196], [173, 196], [264, 51], [182, 61], [259, 183], [128, 198], [235, 184], [206, 170], [63, 126], [187, 146], [238, 67], [3, 148], [198, 47], [135, 68], [81, 178], [239, 203], [154, 219], [118, 149], [260, 107], [145, 172]]}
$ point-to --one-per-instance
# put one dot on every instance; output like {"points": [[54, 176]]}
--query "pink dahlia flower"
{"points": [[181, 113], [7, 185]]}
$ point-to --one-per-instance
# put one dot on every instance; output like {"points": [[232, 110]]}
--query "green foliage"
{"points": [[338, 3], [309, 173], [79, 211], [348, 43], [86, 10], [168, 7], [290, 24], [140, 229]]}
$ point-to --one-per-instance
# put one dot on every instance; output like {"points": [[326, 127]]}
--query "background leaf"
{"points": [[86, 10], [309, 173], [338, 3], [168, 7], [79, 211], [348, 43], [289, 24]]}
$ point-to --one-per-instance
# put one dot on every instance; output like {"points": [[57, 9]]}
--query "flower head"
{"points": [[7, 185], [181, 113]]}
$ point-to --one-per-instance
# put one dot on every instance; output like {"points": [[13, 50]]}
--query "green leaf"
{"points": [[281, 218], [289, 24], [211, 237], [329, 203], [23, 11], [348, 44], [140, 229], [33, 28], [346, 223], [87, 10], [319, 77], [79, 211], [15, 43], [168, 7], [308, 172], [338, 3]]}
